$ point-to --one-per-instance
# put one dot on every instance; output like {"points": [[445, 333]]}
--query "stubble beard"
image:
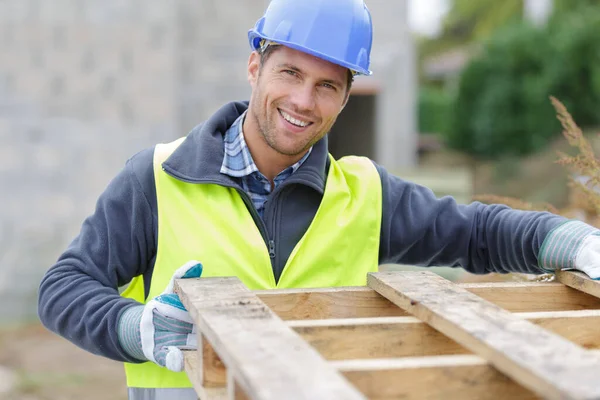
{"points": [[268, 130]]}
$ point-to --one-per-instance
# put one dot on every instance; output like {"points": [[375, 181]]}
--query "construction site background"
{"points": [[85, 85]]}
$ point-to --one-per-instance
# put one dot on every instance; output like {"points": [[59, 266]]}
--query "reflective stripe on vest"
{"points": [[210, 223]]}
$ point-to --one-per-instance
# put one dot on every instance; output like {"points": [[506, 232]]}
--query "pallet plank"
{"points": [[371, 338], [439, 377], [234, 390], [580, 281], [192, 368], [267, 358], [538, 359], [363, 302], [435, 377], [338, 339], [447, 377], [212, 369]]}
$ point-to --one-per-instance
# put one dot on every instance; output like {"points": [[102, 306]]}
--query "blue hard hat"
{"points": [[339, 31]]}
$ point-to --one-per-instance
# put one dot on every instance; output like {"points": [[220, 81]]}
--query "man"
{"points": [[253, 193]]}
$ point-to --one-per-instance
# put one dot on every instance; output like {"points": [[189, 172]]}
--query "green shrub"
{"points": [[434, 110], [502, 104], [575, 76]]}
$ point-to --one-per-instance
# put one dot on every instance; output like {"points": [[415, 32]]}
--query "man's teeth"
{"points": [[293, 120]]}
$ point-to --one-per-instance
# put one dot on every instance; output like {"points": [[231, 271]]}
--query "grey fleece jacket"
{"points": [[79, 297]]}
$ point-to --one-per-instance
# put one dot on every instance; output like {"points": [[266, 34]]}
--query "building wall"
{"points": [[83, 86], [385, 128], [86, 84], [394, 61], [213, 55]]}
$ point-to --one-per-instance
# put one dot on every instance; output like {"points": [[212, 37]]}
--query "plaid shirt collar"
{"points": [[238, 161]]}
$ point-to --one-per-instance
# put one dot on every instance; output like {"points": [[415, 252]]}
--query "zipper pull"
{"points": [[271, 248]]}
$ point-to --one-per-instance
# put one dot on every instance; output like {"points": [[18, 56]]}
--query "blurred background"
{"points": [[459, 101]]}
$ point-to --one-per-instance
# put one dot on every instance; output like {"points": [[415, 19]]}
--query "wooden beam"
{"points": [[447, 377], [538, 359], [437, 377], [365, 338], [363, 302], [371, 338], [192, 368], [323, 303], [580, 281], [211, 368], [581, 327], [459, 377], [234, 390], [267, 358]]}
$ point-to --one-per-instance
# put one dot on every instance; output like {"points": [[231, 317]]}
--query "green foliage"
{"points": [[567, 6], [471, 20], [477, 19], [434, 109], [576, 74], [502, 105]]}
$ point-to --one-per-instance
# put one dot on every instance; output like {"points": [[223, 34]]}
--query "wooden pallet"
{"points": [[409, 335]]}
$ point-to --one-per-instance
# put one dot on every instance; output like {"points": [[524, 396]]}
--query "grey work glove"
{"points": [[160, 329]]}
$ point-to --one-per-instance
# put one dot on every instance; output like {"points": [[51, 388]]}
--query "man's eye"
{"points": [[328, 86], [290, 72]]}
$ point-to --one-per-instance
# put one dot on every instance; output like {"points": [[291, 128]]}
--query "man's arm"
{"points": [[420, 229], [78, 296]]}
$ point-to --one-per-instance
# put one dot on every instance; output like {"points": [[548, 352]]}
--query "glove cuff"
{"points": [[128, 332], [562, 245]]}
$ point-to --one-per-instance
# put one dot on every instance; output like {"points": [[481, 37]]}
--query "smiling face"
{"points": [[295, 100]]}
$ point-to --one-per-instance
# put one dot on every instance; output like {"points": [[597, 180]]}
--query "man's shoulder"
{"points": [[141, 172], [141, 163]]}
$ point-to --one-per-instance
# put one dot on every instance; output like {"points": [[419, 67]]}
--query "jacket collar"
{"points": [[199, 157]]}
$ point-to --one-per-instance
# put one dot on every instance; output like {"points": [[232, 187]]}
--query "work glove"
{"points": [[159, 330], [587, 259]]}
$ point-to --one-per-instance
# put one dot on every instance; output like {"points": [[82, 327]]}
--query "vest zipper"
{"points": [[259, 223], [272, 248]]}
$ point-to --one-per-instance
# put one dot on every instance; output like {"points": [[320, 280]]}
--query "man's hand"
{"points": [[588, 258], [159, 330]]}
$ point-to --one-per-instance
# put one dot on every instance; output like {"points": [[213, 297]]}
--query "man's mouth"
{"points": [[294, 121]]}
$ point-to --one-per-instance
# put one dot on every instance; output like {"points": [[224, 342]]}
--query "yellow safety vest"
{"points": [[210, 223]]}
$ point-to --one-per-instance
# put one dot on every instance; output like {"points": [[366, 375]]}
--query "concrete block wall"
{"points": [[213, 55], [394, 67], [90, 61], [83, 86]]}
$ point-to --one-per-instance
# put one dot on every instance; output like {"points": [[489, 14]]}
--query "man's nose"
{"points": [[303, 97]]}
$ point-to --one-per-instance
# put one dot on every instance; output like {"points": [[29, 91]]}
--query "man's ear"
{"points": [[253, 67]]}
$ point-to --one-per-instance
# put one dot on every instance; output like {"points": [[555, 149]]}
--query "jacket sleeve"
{"points": [[420, 229], [78, 296]]}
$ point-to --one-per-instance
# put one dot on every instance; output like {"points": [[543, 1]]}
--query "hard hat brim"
{"points": [[255, 38]]}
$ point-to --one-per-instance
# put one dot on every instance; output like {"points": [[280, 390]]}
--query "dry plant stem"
{"points": [[584, 196]]}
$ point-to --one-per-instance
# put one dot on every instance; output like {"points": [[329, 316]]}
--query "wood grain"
{"points": [[363, 302], [342, 339], [371, 338], [266, 358], [459, 377], [536, 358], [580, 281], [192, 366]]}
